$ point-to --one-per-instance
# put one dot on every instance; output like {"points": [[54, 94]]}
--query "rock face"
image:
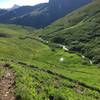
{"points": [[65, 6], [59, 8], [58, 4], [43, 14]]}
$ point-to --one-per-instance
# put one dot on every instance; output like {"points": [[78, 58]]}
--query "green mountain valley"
{"points": [[58, 62]]}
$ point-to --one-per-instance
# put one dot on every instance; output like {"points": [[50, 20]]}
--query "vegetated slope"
{"points": [[79, 31], [43, 14], [40, 73], [20, 43]]}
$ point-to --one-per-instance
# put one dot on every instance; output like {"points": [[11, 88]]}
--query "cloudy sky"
{"points": [[10, 3]]}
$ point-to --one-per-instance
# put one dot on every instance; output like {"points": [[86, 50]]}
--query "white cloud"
{"points": [[10, 3]]}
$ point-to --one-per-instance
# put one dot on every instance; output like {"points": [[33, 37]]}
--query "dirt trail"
{"points": [[6, 84]]}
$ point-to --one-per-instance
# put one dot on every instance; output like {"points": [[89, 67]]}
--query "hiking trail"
{"points": [[7, 83]]}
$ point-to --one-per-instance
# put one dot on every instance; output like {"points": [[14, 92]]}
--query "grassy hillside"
{"points": [[40, 72], [79, 31], [18, 43]]}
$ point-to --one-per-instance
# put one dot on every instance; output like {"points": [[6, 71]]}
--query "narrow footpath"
{"points": [[6, 84]]}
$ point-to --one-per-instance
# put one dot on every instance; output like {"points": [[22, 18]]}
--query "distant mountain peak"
{"points": [[15, 6]]}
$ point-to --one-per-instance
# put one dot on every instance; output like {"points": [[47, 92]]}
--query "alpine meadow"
{"points": [[50, 51]]}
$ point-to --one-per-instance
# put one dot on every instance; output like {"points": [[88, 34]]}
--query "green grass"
{"points": [[22, 45], [17, 48], [34, 84], [30, 50], [1, 72]]}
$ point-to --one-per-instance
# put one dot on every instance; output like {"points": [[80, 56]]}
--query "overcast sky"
{"points": [[10, 3]]}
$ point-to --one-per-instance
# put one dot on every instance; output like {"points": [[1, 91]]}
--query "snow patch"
{"points": [[61, 59], [66, 49]]}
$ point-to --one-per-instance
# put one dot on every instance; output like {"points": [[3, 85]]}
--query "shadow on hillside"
{"points": [[5, 35]]}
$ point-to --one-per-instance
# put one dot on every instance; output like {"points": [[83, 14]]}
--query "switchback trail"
{"points": [[6, 84]]}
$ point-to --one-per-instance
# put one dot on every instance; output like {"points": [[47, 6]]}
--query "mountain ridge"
{"points": [[15, 6], [43, 14]]}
